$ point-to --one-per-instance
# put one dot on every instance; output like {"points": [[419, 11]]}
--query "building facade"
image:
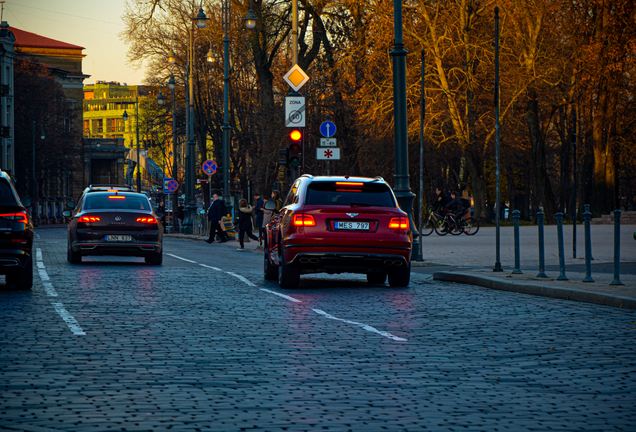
{"points": [[7, 130]]}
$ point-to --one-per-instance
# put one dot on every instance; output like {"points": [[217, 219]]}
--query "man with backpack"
{"points": [[215, 217]]}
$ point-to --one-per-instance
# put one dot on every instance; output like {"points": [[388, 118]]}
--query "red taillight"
{"points": [[399, 223], [303, 220], [16, 217], [18, 240], [116, 197], [89, 219], [150, 220]]}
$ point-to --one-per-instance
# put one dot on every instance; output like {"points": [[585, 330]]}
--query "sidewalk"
{"points": [[470, 260]]}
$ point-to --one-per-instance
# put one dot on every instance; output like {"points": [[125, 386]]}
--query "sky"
{"points": [[92, 24]]}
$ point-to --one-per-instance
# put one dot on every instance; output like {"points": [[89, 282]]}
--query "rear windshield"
{"points": [[332, 194], [6, 196], [122, 202]]}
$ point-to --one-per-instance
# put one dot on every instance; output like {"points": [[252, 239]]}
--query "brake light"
{"points": [[89, 219], [116, 197], [303, 220], [150, 220], [16, 217], [399, 223], [18, 240], [349, 183], [112, 190]]}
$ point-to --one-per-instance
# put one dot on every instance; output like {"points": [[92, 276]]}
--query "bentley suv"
{"points": [[338, 225], [114, 222], [16, 236]]}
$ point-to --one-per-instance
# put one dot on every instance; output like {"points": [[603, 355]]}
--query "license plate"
{"points": [[352, 225], [119, 238]]}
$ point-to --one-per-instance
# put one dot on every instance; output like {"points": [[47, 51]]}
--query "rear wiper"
{"points": [[360, 204]]}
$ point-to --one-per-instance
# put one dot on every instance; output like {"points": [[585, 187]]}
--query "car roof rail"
{"points": [[108, 186], [379, 178], [308, 176]]}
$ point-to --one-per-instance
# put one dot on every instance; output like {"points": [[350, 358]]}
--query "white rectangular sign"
{"points": [[328, 153], [294, 111], [327, 142]]}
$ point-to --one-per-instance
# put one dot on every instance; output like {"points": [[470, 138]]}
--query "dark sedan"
{"points": [[114, 223]]}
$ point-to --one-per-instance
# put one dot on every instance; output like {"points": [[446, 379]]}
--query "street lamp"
{"points": [[173, 153], [402, 189], [35, 206], [125, 118], [90, 160]]}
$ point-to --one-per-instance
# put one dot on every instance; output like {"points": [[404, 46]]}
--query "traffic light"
{"points": [[294, 148], [283, 158]]}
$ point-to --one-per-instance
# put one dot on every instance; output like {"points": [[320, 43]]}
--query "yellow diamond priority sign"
{"points": [[296, 77]]}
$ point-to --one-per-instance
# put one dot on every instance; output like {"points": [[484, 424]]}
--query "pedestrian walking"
{"points": [[161, 212], [279, 201], [215, 216], [258, 219], [180, 214], [244, 223]]}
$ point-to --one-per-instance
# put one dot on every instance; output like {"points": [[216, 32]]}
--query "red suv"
{"points": [[338, 225]]}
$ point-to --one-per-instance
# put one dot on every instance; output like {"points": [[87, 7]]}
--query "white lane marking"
{"points": [[37, 236], [239, 277], [281, 295], [182, 259], [68, 319], [364, 326], [40, 265], [48, 287], [43, 275], [210, 267], [38, 254]]}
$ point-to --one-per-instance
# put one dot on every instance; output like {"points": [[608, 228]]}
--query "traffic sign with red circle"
{"points": [[209, 167], [171, 185]]}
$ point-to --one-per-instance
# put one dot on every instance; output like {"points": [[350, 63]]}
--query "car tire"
{"points": [[400, 277], [288, 276], [154, 259], [73, 257], [23, 278], [270, 270], [376, 278]]}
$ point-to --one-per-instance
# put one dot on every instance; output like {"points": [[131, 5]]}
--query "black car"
{"points": [[16, 236], [114, 222]]}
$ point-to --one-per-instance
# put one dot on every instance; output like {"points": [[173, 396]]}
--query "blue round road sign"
{"points": [[172, 185], [328, 129], [209, 167]]}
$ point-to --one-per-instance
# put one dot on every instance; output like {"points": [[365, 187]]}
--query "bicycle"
{"points": [[470, 226], [434, 222]]}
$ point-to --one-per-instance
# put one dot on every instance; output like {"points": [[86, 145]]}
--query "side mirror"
{"points": [[70, 204], [270, 205], [27, 202], [66, 213]]}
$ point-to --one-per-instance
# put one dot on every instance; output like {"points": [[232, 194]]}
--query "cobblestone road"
{"points": [[204, 343]]}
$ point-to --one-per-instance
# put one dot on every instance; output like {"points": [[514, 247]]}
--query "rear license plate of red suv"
{"points": [[348, 225]]}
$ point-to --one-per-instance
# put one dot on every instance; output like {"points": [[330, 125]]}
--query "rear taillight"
{"points": [[16, 217], [399, 223], [148, 220], [303, 220], [89, 219]]}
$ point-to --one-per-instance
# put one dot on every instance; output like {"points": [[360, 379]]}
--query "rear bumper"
{"points": [[139, 249], [348, 259], [13, 259]]}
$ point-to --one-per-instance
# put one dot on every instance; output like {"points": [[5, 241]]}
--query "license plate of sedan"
{"points": [[352, 225], [119, 238]]}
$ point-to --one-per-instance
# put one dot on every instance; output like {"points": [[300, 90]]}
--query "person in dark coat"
{"points": [[244, 223], [456, 206], [161, 212], [215, 216], [258, 219], [180, 214], [440, 200]]}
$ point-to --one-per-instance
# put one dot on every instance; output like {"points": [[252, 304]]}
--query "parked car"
{"points": [[114, 222], [16, 236], [338, 225]]}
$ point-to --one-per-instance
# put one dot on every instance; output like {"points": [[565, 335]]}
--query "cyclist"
{"points": [[456, 206], [439, 200]]}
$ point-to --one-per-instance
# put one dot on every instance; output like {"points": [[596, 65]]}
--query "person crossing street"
{"points": [[215, 216]]}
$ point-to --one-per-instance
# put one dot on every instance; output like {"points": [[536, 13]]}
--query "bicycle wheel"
{"points": [[471, 226], [428, 228], [440, 227], [454, 227]]}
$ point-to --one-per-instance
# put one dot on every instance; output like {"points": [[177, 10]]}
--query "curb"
{"points": [[539, 290]]}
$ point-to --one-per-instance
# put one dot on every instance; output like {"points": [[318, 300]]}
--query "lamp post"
{"points": [[90, 160], [35, 206], [497, 267], [125, 117], [402, 189], [171, 86]]}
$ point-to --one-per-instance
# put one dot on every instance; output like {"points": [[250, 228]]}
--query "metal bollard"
{"points": [[515, 216], [617, 248], [559, 219], [541, 274], [587, 216]]}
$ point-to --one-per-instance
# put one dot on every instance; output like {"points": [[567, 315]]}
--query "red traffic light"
{"points": [[295, 135]]}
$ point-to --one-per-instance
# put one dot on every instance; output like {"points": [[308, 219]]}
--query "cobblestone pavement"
{"points": [[204, 343]]}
